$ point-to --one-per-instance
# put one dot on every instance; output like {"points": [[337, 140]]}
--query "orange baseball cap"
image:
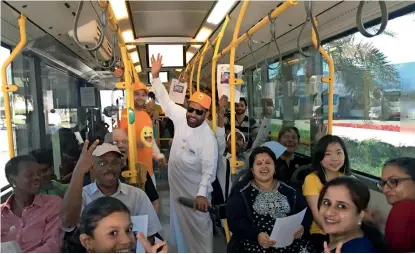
{"points": [[140, 86], [202, 99]]}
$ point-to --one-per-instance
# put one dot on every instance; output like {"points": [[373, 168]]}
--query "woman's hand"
{"points": [[265, 241], [299, 233], [151, 248], [338, 247]]}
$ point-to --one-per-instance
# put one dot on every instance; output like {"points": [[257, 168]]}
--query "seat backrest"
{"points": [[300, 174]]}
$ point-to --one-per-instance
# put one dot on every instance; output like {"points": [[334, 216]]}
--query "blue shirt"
{"points": [[358, 245]]}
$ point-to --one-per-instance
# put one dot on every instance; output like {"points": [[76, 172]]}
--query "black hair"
{"points": [[407, 164], [360, 196], [244, 100], [151, 95], [262, 149], [12, 167], [288, 129], [320, 152], [43, 156], [94, 212], [68, 143]]}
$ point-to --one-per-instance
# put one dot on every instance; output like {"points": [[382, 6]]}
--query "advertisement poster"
{"points": [[223, 76]]}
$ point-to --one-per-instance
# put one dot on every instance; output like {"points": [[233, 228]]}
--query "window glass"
{"points": [[4, 148], [374, 110]]}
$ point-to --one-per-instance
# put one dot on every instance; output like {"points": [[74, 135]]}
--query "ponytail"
{"points": [[72, 244]]}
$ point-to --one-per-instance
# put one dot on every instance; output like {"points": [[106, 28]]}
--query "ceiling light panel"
{"points": [[219, 12], [120, 9], [203, 34]]}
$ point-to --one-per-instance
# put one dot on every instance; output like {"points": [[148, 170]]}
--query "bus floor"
{"points": [[164, 216]]}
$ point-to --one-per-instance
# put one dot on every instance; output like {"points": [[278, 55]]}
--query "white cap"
{"points": [[106, 148], [236, 131]]}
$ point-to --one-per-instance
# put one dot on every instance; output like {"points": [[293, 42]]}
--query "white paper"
{"points": [[223, 76], [284, 229], [10, 247], [140, 225], [177, 91], [87, 96]]}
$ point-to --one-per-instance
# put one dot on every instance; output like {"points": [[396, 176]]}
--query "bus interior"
{"points": [[61, 85]]}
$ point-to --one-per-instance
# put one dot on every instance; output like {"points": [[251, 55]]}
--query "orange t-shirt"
{"points": [[144, 134]]}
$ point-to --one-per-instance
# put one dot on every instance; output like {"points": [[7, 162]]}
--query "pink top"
{"points": [[39, 228]]}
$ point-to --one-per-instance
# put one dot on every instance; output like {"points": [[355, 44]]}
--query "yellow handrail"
{"points": [[329, 80], [128, 86], [199, 69], [12, 88], [232, 83], [213, 74], [191, 76]]}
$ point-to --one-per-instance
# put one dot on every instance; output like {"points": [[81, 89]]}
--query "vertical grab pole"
{"points": [[6, 88], [128, 86], [199, 68], [213, 74], [232, 83], [329, 80]]}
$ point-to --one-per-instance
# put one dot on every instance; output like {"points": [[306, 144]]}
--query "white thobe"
{"points": [[261, 138], [192, 169]]}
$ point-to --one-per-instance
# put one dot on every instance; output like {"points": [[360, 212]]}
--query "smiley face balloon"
{"points": [[147, 136]]}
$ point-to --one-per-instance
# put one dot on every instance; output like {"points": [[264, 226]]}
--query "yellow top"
{"points": [[311, 187]]}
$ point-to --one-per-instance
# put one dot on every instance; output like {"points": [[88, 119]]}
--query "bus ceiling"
{"points": [[190, 23]]}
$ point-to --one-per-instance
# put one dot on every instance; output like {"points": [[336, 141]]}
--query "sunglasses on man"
{"points": [[199, 112]]}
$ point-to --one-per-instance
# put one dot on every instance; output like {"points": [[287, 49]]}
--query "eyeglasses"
{"points": [[392, 182], [114, 163], [198, 111], [122, 142]]}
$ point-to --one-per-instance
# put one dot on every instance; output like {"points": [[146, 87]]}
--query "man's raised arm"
{"points": [[174, 111]]}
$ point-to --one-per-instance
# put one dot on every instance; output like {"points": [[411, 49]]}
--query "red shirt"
{"points": [[39, 228], [400, 227]]}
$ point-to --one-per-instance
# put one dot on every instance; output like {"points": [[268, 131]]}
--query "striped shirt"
{"points": [[249, 127]]}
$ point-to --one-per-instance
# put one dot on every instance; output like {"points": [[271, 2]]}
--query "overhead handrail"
{"points": [[6, 88], [383, 23], [308, 6], [329, 80], [275, 13], [101, 27], [213, 74]]}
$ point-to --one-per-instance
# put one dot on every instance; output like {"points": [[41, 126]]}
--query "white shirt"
{"points": [[134, 198], [194, 151]]}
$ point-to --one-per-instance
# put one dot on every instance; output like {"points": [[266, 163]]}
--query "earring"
{"points": [[360, 222]]}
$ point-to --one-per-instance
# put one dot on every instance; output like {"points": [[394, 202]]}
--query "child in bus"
{"points": [[28, 218], [49, 184], [341, 205], [398, 185], [330, 160], [106, 227]]}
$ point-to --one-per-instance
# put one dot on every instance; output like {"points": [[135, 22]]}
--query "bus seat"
{"points": [[300, 174]]}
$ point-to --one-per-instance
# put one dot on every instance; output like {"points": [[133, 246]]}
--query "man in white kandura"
{"points": [[192, 167]]}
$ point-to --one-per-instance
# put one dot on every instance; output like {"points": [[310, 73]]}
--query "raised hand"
{"points": [[156, 65], [322, 131], [86, 160], [151, 248], [223, 102]]}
